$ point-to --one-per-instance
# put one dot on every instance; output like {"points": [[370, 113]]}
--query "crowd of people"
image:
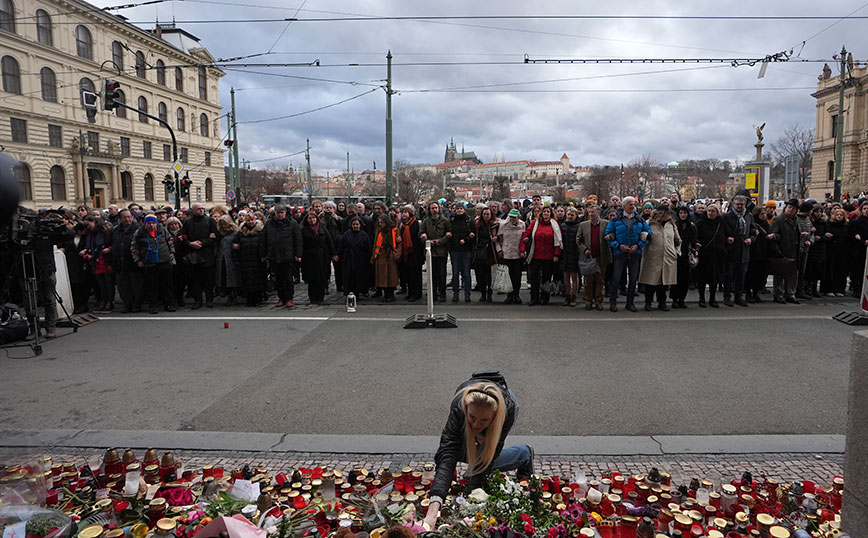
{"points": [[605, 249]]}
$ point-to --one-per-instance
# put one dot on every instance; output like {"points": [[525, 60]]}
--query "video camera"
{"points": [[27, 227]]}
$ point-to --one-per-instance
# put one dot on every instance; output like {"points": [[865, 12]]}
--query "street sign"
{"points": [[178, 167], [230, 195], [304, 190]]}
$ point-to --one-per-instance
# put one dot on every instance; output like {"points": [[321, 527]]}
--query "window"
{"points": [[180, 115], [93, 140], [209, 190], [179, 79], [207, 158], [22, 172], [146, 149], [149, 187], [118, 55], [143, 106], [203, 124], [55, 136], [126, 186], [11, 75], [85, 85], [49, 84], [163, 112], [120, 111], [834, 125], [83, 43], [58, 183], [43, 28], [203, 83], [167, 152], [183, 156], [19, 129], [831, 170], [7, 16], [125, 146], [140, 64], [161, 72]]}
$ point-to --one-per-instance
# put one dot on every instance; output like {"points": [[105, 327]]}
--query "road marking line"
{"points": [[460, 319]]}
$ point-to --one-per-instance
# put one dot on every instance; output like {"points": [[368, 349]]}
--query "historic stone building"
{"points": [[51, 50], [855, 118]]}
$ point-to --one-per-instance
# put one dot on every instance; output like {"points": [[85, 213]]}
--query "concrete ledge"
{"points": [[420, 444]]}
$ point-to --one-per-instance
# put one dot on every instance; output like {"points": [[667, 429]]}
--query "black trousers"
{"points": [[201, 279], [179, 283], [651, 291], [411, 276], [483, 277], [539, 272], [678, 292], [283, 273], [439, 276], [159, 284], [515, 267]]}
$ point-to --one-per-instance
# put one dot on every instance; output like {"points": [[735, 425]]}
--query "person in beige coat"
{"points": [[660, 259], [592, 244], [385, 255]]}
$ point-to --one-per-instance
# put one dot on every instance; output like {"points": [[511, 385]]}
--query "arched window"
{"points": [[209, 190], [203, 83], [180, 115], [48, 83], [143, 106], [120, 111], [58, 183], [179, 79], [22, 172], [83, 42], [140, 64], [163, 112], [126, 186], [85, 85], [118, 54], [161, 72], [149, 187], [11, 75], [7, 15], [203, 124], [44, 33]]}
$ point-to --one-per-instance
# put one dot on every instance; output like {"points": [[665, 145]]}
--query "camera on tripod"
{"points": [[27, 227]]}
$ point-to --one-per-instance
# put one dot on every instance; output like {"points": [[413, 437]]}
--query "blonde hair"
{"points": [[483, 393]]}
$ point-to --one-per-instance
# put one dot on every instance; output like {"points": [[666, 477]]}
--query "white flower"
{"points": [[478, 495]]}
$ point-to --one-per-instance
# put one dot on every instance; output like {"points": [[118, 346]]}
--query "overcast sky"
{"points": [[527, 111]]}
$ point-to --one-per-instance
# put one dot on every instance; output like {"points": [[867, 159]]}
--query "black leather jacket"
{"points": [[452, 447]]}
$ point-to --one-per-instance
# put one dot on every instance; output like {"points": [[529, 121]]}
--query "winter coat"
{"points": [[620, 234], [317, 251], [759, 249], [332, 225], [436, 227], [804, 224], [122, 240], [837, 249], [857, 226], [687, 232], [452, 447], [509, 242], [569, 261], [96, 241], [786, 237], [75, 264], [462, 227], [583, 241], [485, 254], [200, 229], [385, 258], [226, 273], [161, 245], [711, 236], [818, 250], [542, 240], [738, 252], [251, 268], [660, 259], [416, 257], [281, 240], [354, 249]]}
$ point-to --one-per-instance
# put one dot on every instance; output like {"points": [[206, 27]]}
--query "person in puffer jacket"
{"points": [[627, 234]]}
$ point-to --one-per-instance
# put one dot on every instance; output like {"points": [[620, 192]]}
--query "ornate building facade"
{"points": [[50, 51]]}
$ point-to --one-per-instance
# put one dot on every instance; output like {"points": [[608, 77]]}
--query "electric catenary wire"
{"points": [[297, 114]]}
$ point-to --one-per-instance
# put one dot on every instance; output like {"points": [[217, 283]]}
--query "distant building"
{"points": [[452, 155], [855, 118], [549, 169]]}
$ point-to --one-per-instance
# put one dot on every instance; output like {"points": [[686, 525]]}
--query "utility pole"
{"points": [[309, 184], [232, 180], [84, 179], [389, 128], [839, 128], [349, 191], [235, 145]]}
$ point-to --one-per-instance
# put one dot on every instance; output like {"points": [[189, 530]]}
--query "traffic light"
{"points": [[88, 101], [185, 187], [109, 94], [228, 143], [169, 183]]}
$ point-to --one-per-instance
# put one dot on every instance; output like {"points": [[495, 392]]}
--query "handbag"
{"points": [[693, 258], [588, 266], [500, 280]]}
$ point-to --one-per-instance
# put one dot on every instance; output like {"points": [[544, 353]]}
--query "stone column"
{"points": [[854, 514]]}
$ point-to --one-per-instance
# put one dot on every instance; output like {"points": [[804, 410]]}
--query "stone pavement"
{"points": [[683, 467]]}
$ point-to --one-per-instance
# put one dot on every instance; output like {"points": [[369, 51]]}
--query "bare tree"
{"points": [[413, 184], [500, 188], [799, 142], [601, 181], [273, 180]]}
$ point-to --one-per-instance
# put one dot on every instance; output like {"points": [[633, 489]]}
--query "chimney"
{"points": [[158, 31]]}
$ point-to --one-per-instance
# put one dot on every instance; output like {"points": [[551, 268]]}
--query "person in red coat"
{"points": [[541, 247]]}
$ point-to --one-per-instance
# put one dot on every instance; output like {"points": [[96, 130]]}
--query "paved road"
{"points": [[317, 369]]}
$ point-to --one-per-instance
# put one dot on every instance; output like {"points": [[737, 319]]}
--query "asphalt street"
{"points": [[767, 369]]}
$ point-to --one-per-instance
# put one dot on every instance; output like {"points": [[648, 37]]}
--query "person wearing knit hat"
{"points": [[153, 249], [150, 217]]}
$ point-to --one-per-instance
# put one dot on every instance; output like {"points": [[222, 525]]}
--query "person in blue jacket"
{"points": [[627, 234]]}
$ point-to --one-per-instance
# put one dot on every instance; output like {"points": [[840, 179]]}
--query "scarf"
{"points": [[742, 224], [407, 239], [379, 244], [315, 228], [153, 254], [556, 230]]}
